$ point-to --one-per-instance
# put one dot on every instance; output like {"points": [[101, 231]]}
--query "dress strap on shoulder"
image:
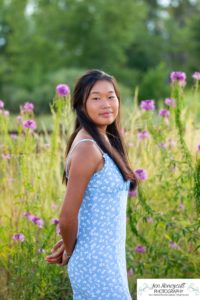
{"points": [[70, 152]]}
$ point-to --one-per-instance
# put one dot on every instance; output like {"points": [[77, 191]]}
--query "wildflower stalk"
{"points": [[177, 93], [56, 109], [196, 87], [133, 224], [142, 200], [197, 185]]}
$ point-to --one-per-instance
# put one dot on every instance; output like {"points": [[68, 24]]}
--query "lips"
{"points": [[106, 113]]}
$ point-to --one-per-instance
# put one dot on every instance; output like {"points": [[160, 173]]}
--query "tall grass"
{"points": [[163, 216]]}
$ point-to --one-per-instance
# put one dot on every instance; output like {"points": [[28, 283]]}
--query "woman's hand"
{"points": [[57, 253], [65, 259]]}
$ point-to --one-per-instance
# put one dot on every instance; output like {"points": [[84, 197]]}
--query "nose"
{"points": [[105, 102]]}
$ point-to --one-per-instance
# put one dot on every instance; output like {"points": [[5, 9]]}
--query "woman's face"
{"points": [[102, 104]]}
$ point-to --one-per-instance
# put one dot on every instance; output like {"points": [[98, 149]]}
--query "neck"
{"points": [[102, 130]]}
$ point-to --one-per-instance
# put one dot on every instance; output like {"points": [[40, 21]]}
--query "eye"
{"points": [[96, 98], [112, 97]]}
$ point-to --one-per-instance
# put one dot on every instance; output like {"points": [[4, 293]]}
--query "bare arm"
{"points": [[84, 162]]}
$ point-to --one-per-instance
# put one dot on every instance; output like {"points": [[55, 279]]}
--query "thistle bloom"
{"points": [[1, 104], [196, 75], [36, 220], [162, 145], [62, 89], [132, 193], [173, 245], [19, 119], [164, 113], [29, 124], [143, 135], [140, 249], [130, 272], [6, 156], [54, 205], [141, 174], [18, 237], [27, 107], [179, 77], [13, 136], [26, 214], [55, 221], [6, 113], [147, 104], [172, 142], [170, 102], [149, 219]]}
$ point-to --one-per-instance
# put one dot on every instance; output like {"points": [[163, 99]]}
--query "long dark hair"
{"points": [[78, 101]]}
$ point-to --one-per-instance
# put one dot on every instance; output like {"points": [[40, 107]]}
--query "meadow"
{"points": [[163, 214]]}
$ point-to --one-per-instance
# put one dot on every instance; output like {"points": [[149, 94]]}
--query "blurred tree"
{"points": [[45, 39], [177, 38], [194, 42]]}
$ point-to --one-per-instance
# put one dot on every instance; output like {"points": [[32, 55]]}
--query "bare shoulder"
{"points": [[86, 157]]}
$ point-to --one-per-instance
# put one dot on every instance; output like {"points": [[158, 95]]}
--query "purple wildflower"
{"points": [[19, 119], [6, 113], [170, 102], [143, 135], [55, 221], [173, 245], [196, 75], [27, 107], [141, 174], [132, 193], [164, 113], [54, 205], [13, 136], [62, 89], [179, 77], [130, 272], [18, 237], [198, 147], [36, 220], [26, 214], [172, 142], [140, 249], [162, 145], [149, 219], [6, 156], [1, 104], [29, 124], [147, 104]]}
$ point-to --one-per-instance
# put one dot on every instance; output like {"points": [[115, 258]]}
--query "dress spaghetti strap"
{"points": [[70, 152]]}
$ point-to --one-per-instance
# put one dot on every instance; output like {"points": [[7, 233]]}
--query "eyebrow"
{"points": [[100, 93]]}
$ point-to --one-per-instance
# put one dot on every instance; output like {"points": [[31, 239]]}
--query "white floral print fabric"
{"points": [[97, 268]]}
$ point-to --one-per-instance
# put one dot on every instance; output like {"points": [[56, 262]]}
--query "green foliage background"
{"points": [[45, 42]]}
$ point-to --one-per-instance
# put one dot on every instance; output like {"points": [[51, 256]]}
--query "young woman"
{"points": [[98, 177]]}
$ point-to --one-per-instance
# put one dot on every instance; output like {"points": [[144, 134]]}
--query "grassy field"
{"points": [[163, 216]]}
